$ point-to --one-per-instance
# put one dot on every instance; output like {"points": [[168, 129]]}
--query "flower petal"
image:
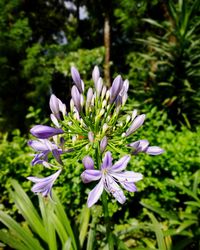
{"points": [[130, 186], [154, 150], [121, 164], [90, 175], [107, 160], [38, 145], [88, 162], [95, 194], [113, 188], [44, 185], [127, 176]]}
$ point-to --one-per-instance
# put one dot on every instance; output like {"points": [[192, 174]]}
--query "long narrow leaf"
{"points": [[84, 223], [20, 232], [11, 241], [158, 232], [47, 212], [62, 216], [27, 209]]}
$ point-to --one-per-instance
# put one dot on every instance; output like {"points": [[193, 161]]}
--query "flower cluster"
{"points": [[94, 125]]}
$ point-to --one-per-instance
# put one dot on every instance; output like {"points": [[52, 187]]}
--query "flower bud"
{"points": [[104, 128], [134, 114], [103, 92], [91, 136], [115, 88], [76, 97], [99, 86], [77, 79], [136, 124], [44, 132], [54, 120], [95, 74], [103, 144]]}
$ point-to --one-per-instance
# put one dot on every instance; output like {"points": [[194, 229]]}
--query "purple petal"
{"points": [[95, 74], [154, 150], [54, 106], [38, 145], [88, 162], [56, 153], [95, 194], [139, 146], [103, 144], [107, 160], [90, 175], [77, 79], [130, 186], [127, 176], [115, 88], [113, 188], [99, 86], [44, 185], [44, 132], [121, 164], [76, 97], [89, 96], [136, 124], [91, 136]]}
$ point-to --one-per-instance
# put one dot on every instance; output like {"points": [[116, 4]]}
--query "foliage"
{"points": [[38, 231], [171, 61]]}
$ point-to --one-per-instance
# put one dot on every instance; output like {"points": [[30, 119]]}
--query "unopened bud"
{"points": [[103, 144], [91, 136], [105, 127]]}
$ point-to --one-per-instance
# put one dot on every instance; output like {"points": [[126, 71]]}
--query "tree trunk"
{"points": [[107, 49]]}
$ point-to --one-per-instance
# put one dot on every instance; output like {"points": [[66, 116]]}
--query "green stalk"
{"points": [[107, 222], [105, 207]]}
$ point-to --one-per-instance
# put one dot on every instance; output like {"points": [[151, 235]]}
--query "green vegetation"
{"points": [[155, 44]]}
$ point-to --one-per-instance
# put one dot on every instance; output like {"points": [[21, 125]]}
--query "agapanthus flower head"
{"points": [[44, 185], [95, 122], [109, 176]]}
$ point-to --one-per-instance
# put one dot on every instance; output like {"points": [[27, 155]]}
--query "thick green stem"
{"points": [[107, 222]]}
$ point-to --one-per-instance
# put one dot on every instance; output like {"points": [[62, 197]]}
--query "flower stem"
{"points": [[107, 221]]}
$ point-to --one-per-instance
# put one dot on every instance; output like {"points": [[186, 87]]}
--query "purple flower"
{"points": [[44, 132], [44, 147], [143, 146], [109, 175], [44, 185], [77, 79], [138, 121]]}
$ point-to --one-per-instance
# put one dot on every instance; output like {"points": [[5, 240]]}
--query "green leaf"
{"points": [[11, 241], [62, 216], [164, 214], [158, 232], [84, 223], [27, 209], [192, 203], [185, 190], [47, 213], [20, 232]]}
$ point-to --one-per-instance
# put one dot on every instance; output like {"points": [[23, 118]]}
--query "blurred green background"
{"points": [[156, 45]]}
